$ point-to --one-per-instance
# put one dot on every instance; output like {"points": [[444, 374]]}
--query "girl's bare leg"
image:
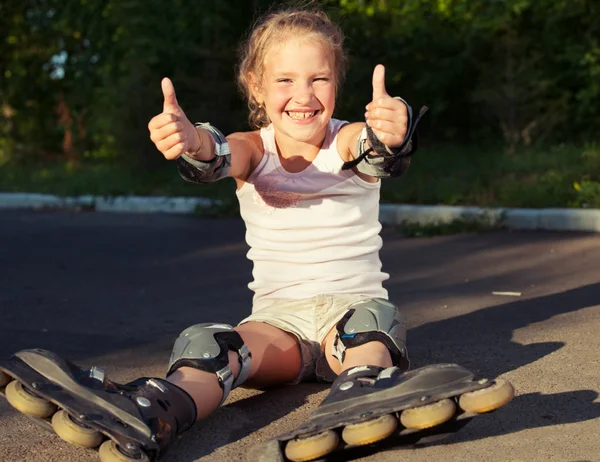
{"points": [[276, 359]]}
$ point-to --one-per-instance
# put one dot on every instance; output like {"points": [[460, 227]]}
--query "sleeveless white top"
{"points": [[312, 232]]}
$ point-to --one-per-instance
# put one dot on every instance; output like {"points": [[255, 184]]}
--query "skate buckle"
{"points": [[156, 384], [97, 373], [143, 402]]}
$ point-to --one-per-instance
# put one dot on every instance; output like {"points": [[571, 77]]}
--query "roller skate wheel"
{"points": [[4, 379], [487, 399], [429, 415], [370, 431], [313, 447], [27, 403], [75, 433], [110, 452]]}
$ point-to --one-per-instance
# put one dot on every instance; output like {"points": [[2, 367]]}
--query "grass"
{"points": [[458, 226], [100, 179], [561, 176]]}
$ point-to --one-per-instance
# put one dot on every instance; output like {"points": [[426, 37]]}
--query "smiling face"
{"points": [[297, 90]]}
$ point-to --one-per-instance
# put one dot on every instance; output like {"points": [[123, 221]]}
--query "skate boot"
{"points": [[131, 422], [368, 405]]}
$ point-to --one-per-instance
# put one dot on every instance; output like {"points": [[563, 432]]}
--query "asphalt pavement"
{"points": [[115, 290]]}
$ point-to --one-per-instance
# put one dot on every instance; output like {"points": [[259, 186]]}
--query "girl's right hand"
{"points": [[171, 131]]}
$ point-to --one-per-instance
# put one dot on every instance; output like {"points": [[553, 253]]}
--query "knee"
{"points": [[207, 347], [372, 320]]}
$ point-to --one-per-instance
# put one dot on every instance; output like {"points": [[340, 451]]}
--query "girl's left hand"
{"points": [[388, 117]]}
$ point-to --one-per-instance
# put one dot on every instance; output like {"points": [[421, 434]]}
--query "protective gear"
{"points": [[198, 171], [372, 320], [206, 347], [386, 162]]}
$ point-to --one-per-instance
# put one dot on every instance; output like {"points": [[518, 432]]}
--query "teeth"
{"points": [[301, 115]]}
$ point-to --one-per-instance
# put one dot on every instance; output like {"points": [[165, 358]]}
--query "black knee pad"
{"points": [[372, 320], [206, 347]]}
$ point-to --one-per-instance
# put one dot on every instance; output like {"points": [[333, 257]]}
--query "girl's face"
{"points": [[298, 90]]}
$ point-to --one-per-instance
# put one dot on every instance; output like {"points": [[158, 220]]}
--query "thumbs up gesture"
{"points": [[171, 131], [388, 117]]}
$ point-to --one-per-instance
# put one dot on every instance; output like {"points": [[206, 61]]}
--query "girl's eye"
{"points": [[322, 79], [284, 80]]}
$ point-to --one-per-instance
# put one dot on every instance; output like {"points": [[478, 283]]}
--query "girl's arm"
{"points": [[202, 153]]}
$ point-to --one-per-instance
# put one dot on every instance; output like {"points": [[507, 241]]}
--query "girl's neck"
{"points": [[295, 156], [288, 147]]}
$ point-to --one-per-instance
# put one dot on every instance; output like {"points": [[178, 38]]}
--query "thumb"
{"points": [[170, 104], [379, 82]]}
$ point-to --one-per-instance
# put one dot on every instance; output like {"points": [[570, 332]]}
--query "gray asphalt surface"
{"points": [[115, 290]]}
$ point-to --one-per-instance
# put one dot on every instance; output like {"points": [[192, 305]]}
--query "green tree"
{"points": [[80, 78]]}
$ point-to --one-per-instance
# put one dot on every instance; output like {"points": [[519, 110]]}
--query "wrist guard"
{"points": [[200, 171], [381, 161]]}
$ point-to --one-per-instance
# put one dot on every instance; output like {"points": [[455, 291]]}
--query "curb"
{"points": [[555, 219], [128, 204]]}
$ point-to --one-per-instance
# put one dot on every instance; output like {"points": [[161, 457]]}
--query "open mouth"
{"points": [[302, 115]]}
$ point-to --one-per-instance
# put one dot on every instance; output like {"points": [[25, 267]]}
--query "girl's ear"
{"points": [[255, 87]]}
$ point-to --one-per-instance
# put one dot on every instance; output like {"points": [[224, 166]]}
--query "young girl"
{"points": [[308, 187]]}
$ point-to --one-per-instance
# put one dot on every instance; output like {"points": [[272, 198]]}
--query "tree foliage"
{"points": [[523, 70], [81, 78]]}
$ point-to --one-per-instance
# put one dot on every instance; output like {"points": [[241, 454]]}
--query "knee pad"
{"points": [[372, 320], [206, 347]]}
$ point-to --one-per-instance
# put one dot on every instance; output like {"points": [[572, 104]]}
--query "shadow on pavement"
{"points": [[480, 341], [236, 421], [533, 410], [89, 285]]}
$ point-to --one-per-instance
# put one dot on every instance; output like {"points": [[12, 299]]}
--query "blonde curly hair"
{"points": [[275, 28]]}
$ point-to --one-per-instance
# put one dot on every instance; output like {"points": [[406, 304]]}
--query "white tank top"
{"points": [[312, 232]]}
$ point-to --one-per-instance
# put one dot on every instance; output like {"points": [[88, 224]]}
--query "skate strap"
{"points": [[388, 372], [360, 372], [372, 372]]}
